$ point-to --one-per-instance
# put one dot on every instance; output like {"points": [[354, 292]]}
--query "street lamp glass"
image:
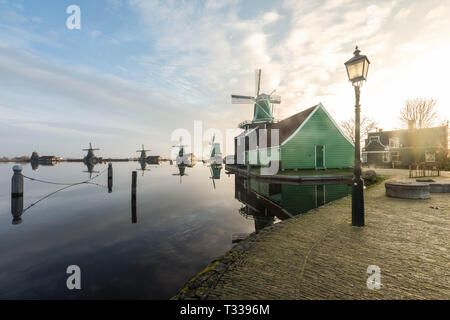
{"points": [[357, 67]]}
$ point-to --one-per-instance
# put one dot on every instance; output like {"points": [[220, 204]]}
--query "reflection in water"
{"points": [[215, 173], [133, 208], [264, 201], [181, 170], [17, 209], [90, 168], [143, 168]]}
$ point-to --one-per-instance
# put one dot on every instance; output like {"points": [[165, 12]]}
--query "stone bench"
{"points": [[408, 190], [437, 186]]}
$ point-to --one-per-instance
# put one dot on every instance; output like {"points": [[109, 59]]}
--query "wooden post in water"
{"points": [[110, 177], [133, 197], [17, 182]]}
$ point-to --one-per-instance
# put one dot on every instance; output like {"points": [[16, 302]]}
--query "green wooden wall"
{"points": [[299, 151]]}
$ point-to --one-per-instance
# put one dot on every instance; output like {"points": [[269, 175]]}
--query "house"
{"points": [[400, 148], [310, 139]]}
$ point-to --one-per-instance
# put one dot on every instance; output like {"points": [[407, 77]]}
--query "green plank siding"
{"points": [[298, 152]]}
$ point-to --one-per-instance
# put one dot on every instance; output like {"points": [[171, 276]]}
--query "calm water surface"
{"points": [[182, 223]]}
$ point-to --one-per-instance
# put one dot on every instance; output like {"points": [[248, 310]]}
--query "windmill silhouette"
{"points": [[181, 157], [143, 152], [90, 157]]}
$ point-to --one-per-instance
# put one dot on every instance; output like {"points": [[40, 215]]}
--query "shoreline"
{"points": [[319, 255]]}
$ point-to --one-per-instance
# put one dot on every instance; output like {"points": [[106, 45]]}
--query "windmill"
{"points": [[90, 155], [216, 155], [263, 103], [143, 156], [181, 157]]}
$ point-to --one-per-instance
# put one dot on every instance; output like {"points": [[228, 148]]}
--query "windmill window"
{"points": [[386, 157], [375, 138]]}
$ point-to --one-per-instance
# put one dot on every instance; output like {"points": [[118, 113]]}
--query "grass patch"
{"points": [[373, 181]]}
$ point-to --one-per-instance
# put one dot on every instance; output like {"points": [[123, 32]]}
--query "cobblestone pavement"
{"points": [[319, 255]]}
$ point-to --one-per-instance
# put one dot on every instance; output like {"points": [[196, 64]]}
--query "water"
{"points": [[182, 222]]}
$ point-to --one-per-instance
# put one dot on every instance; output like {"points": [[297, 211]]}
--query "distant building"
{"points": [[310, 139], [44, 160], [400, 148]]}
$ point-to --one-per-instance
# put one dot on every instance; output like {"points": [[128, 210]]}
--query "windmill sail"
{"points": [[236, 99], [257, 81]]}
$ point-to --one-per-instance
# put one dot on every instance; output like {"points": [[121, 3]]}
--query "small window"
{"points": [[374, 138], [430, 156], [364, 157], [394, 143], [386, 157], [395, 156]]}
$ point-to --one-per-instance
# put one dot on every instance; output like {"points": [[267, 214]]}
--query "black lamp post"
{"points": [[357, 68]]}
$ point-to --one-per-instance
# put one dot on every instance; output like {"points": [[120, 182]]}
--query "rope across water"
{"points": [[67, 185]]}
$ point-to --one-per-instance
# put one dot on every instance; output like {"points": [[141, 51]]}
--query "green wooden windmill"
{"points": [[143, 152], [263, 103]]}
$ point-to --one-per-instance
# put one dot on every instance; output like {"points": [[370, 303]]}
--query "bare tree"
{"points": [[366, 125], [420, 111]]}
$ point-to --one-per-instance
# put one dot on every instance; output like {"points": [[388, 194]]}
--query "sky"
{"points": [[137, 70]]}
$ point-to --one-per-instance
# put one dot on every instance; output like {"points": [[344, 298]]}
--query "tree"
{"points": [[366, 125], [420, 111]]}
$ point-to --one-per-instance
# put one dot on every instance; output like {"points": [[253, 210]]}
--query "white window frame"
{"points": [[386, 157], [394, 142]]}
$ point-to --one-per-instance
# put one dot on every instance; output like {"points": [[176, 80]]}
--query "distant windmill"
{"points": [[216, 155], [181, 153], [263, 103], [90, 155], [143, 156]]}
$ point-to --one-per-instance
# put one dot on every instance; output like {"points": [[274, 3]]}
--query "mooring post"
{"points": [[133, 182], [133, 197], [110, 177], [17, 182]]}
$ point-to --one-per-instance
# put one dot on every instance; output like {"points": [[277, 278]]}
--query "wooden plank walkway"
{"points": [[319, 255]]}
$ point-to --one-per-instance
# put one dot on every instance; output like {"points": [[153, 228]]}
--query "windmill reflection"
{"points": [[181, 171], [90, 169], [266, 202], [215, 173], [143, 168]]}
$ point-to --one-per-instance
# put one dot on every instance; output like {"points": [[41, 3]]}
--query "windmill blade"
{"points": [[275, 99], [257, 81], [237, 99]]}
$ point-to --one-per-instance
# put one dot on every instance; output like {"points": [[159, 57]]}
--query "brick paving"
{"points": [[319, 255]]}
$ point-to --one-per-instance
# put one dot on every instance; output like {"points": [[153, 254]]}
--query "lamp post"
{"points": [[357, 68]]}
